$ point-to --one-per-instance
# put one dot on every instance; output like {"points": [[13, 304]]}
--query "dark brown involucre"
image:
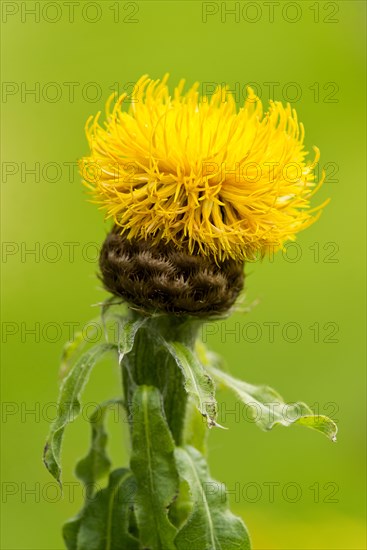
{"points": [[164, 279]]}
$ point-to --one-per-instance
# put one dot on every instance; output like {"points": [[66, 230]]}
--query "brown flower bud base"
{"points": [[164, 279]]}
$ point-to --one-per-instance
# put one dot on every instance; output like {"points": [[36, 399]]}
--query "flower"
{"points": [[196, 172]]}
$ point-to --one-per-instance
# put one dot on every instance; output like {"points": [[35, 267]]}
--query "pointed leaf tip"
{"points": [[267, 408]]}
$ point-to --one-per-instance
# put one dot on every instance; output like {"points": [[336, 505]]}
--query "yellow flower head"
{"points": [[196, 171]]}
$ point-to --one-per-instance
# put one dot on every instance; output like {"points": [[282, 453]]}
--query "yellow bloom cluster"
{"points": [[196, 171]]}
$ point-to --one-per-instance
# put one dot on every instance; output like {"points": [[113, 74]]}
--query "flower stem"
{"points": [[150, 363]]}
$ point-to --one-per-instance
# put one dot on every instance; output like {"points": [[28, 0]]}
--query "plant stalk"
{"points": [[150, 363]]}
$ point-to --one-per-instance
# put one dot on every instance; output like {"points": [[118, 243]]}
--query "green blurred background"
{"points": [[73, 64]]}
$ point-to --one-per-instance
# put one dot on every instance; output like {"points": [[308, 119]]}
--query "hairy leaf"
{"points": [[266, 407], [152, 463], [210, 525], [199, 385], [69, 405]]}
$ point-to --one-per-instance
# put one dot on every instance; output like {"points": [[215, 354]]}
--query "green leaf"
{"points": [[96, 464], [105, 519], [198, 383], [69, 405], [152, 463], [127, 329], [266, 407], [70, 532], [210, 526]]}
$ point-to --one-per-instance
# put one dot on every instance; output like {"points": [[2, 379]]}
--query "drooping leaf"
{"points": [[127, 329], [266, 408], [210, 525], [153, 465], [69, 405], [104, 521], [96, 464], [199, 385]]}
